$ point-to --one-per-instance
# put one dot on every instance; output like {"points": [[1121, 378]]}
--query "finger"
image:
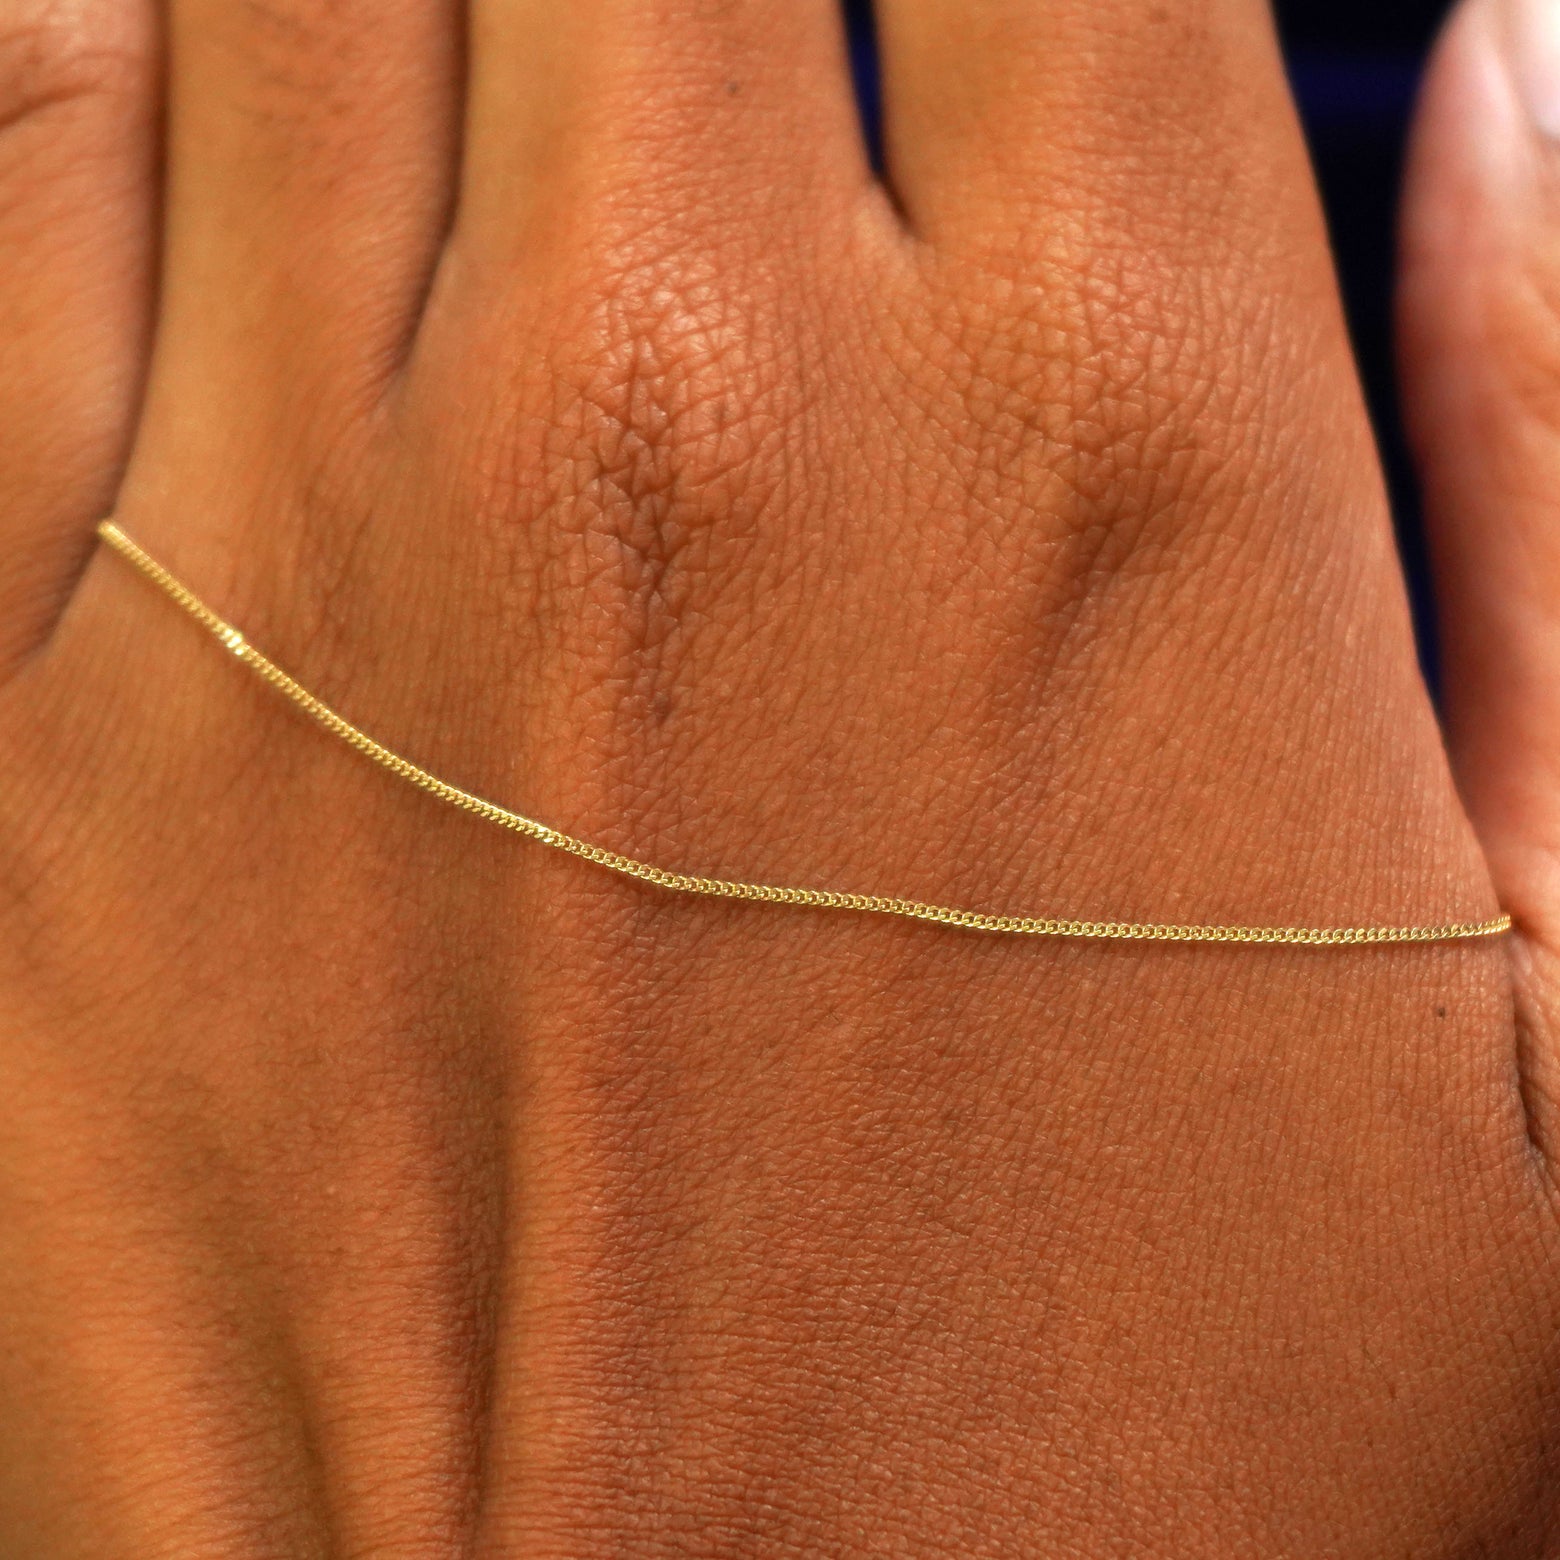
{"points": [[312, 154], [1038, 121], [77, 203], [1480, 309], [736, 117]]}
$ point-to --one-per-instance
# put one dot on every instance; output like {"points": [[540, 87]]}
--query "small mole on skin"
{"points": [[1440, 1012], [733, 88]]}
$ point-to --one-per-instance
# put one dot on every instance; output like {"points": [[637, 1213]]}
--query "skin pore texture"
{"points": [[554, 389]]}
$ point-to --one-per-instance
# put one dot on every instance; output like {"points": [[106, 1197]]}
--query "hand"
{"points": [[567, 403]]}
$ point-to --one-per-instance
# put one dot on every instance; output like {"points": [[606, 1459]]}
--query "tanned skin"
{"points": [[554, 388]]}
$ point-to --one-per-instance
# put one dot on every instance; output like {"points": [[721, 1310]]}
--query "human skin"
{"points": [[560, 395]]}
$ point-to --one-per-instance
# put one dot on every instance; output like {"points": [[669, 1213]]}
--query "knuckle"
{"points": [[1103, 385], [56, 57], [299, 65], [657, 465], [1121, 448]]}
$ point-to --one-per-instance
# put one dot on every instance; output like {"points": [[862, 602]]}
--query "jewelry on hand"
{"points": [[718, 888]]}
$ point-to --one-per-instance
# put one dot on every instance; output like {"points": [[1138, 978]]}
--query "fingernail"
{"points": [[1533, 48]]}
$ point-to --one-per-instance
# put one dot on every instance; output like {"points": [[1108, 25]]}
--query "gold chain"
{"points": [[718, 888]]}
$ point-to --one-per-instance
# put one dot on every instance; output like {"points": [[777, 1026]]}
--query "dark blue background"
{"points": [[1355, 68]]}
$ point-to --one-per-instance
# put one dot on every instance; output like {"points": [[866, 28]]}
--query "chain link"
{"points": [[719, 888]]}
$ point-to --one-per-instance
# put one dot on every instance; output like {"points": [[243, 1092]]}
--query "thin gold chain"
{"points": [[718, 888]]}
